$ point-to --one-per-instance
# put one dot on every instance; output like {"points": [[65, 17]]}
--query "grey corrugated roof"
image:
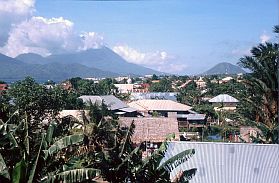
{"points": [[223, 98], [93, 98], [128, 109], [228, 162], [154, 95], [192, 116], [111, 101], [195, 116]]}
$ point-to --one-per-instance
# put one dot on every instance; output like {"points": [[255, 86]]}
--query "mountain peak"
{"points": [[224, 68], [102, 58]]}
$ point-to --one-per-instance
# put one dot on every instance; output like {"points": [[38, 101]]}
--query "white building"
{"points": [[125, 88], [224, 102]]}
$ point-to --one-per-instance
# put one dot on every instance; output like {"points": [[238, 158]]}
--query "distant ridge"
{"points": [[224, 68], [103, 58], [12, 70], [31, 58]]}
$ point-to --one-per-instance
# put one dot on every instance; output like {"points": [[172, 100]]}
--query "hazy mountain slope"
{"points": [[60, 70], [12, 69], [104, 59], [224, 68], [31, 58]]}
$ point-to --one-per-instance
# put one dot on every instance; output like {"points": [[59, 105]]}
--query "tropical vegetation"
{"points": [[38, 146]]}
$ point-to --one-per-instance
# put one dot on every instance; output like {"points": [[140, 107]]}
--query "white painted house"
{"points": [[224, 102]]}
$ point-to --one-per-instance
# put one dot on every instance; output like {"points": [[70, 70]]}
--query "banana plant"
{"points": [[30, 162]]}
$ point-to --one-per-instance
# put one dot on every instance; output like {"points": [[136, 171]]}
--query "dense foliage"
{"points": [[164, 85], [89, 87], [262, 89], [38, 146]]}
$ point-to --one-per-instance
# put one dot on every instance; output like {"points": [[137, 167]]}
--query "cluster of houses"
{"points": [[157, 114]]}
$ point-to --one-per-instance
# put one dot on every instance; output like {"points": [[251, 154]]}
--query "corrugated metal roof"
{"points": [[158, 105], [223, 98], [128, 109], [192, 116], [111, 101], [154, 95], [195, 116], [228, 162]]}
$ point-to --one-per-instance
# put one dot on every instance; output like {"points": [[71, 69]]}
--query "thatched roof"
{"points": [[152, 129]]}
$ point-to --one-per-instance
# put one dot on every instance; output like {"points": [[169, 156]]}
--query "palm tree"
{"points": [[262, 85], [44, 160]]}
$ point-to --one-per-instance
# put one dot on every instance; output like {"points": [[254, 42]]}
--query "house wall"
{"points": [[226, 104]]}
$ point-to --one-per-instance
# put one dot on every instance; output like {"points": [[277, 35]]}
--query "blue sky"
{"points": [[179, 36]]}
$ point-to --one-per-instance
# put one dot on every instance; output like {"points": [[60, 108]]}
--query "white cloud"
{"points": [[48, 36], [264, 38], [159, 60], [21, 32], [91, 40], [17, 6], [13, 12], [149, 59], [239, 52]]}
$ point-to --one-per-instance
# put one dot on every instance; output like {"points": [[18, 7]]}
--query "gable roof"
{"points": [[111, 101], [223, 98], [158, 105], [154, 95]]}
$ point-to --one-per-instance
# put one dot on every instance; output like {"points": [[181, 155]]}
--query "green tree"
{"points": [[107, 87], [164, 85], [190, 94], [89, 87], [62, 152], [49, 82], [262, 86], [154, 77], [34, 100]]}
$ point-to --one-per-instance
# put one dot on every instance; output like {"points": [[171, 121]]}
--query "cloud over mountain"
{"points": [[21, 32], [159, 60], [134, 56], [48, 36], [13, 12]]}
